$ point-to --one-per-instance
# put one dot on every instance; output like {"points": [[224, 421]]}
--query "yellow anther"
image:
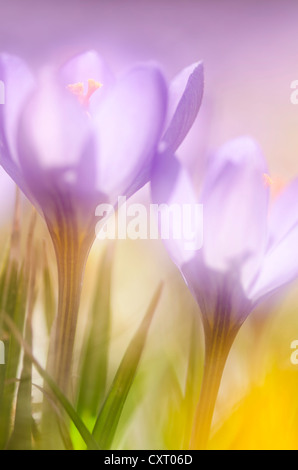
{"points": [[92, 87], [275, 184], [78, 90]]}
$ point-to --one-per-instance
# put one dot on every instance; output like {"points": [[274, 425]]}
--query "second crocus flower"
{"points": [[248, 251]]}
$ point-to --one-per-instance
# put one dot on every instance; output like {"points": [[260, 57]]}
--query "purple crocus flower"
{"points": [[79, 137], [247, 254], [80, 133]]}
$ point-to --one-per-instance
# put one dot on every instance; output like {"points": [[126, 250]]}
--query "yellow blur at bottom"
{"points": [[266, 418]]}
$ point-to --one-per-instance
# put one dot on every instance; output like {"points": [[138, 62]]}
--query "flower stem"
{"points": [[218, 342], [71, 248]]}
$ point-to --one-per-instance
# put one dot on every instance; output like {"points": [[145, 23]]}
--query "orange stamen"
{"points": [[268, 182], [78, 90], [275, 184]]}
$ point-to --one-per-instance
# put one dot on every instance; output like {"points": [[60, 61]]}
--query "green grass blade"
{"points": [[21, 438], [109, 416], [3, 336], [48, 292], [95, 364], [15, 306], [193, 378], [16, 296], [60, 397]]}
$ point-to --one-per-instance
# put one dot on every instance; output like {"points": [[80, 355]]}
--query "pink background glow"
{"points": [[250, 51]]}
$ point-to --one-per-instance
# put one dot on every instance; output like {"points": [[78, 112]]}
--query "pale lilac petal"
{"points": [[54, 128], [185, 97], [55, 136], [180, 214], [18, 82], [279, 267], [284, 214], [127, 127], [214, 290], [235, 209]]}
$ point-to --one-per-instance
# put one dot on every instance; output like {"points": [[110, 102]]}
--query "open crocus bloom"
{"points": [[249, 248], [79, 137], [248, 251]]}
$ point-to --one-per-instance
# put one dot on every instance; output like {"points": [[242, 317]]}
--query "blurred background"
{"points": [[250, 54], [249, 49]]}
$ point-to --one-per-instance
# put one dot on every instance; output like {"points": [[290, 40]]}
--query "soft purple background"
{"points": [[250, 51]]}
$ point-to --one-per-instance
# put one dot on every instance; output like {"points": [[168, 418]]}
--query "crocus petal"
{"points": [[171, 185], [55, 131], [235, 209], [284, 214], [185, 97], [213, 290], [279, 267], [18, 82], [280, 262], [54, 126], [84, 67], [127, 127], [181, 217]]}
